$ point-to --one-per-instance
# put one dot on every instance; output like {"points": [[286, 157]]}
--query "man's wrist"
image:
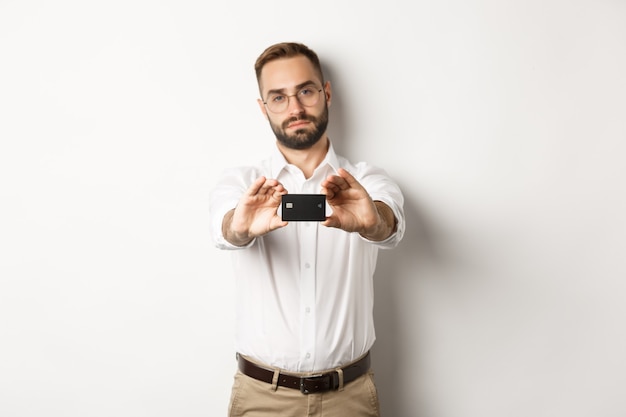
{"points": [[386, 224], [231, 236]]}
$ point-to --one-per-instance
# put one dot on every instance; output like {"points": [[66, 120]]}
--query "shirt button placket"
{"points": [[307, 293]]}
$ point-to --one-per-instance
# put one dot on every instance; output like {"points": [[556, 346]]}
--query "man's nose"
{"points": [[295, 107]]}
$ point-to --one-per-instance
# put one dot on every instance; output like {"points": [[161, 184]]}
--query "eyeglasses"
{"points": [[307, 96]]}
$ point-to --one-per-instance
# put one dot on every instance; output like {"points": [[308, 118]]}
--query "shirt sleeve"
{"points": [[224, 197], [382, 188]]}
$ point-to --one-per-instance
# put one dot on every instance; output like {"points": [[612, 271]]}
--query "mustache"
{"points": [[298, 118]]}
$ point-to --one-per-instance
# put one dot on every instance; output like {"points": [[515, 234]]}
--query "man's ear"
{"points": [[262, 107], [328, 94]]}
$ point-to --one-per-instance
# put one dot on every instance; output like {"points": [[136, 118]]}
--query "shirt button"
{"points": [[308, 310], [307, 265], [308, 355]]}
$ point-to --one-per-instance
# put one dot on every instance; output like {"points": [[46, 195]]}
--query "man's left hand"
{"points": [[353, 208]]}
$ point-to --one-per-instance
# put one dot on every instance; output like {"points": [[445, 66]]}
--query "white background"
{"points": [[504, 122]]}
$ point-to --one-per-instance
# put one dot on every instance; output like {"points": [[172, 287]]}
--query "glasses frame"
{"points": [[319, 90]]}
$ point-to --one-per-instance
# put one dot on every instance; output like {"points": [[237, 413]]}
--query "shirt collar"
{"points": [[278, 161]]}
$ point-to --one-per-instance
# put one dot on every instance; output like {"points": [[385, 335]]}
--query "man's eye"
{"points": [[306, 91], [277, 99]]}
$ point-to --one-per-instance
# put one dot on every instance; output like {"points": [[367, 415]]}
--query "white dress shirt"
{"points": [[304, 293]]}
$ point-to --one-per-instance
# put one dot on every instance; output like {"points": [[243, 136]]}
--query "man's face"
{"points": [[298, 126]]}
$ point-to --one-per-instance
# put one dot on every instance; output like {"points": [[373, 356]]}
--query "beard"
{"points": [[302, 138]]}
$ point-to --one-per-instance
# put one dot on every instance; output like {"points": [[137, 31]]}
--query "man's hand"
{"points": [[354, 210], [256, 212]]}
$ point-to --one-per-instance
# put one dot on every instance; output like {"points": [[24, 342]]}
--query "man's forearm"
{"points": [[385, 227], [230, 235]]}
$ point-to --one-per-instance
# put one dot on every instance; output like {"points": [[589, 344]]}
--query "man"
{"points": [[304, 296]]}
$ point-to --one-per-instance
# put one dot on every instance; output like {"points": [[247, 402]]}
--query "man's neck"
{"points": [[306, 159]]}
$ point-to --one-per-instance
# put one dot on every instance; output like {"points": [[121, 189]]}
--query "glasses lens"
{"points": [[277, 102], [308, 96]]}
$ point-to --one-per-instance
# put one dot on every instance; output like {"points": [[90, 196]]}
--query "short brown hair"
{"points": [[287, 50]]}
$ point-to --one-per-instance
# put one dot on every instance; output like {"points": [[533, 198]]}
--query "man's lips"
{"points": [[298, 123]]}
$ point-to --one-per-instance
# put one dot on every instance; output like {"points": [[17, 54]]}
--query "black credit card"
{"points": [[303, 207]]}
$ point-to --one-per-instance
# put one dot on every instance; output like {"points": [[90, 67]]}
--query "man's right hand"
{"points": [[256, 213]]}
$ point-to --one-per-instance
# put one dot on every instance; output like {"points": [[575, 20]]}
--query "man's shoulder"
{"points": [[359, 169]]}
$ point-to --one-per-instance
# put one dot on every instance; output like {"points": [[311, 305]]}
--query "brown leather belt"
{"points": [[307, 384]]}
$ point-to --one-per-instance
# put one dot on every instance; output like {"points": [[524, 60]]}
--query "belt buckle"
{"points": [[318, 381]]}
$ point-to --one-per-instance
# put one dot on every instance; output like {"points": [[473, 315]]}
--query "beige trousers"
{"points": [[253, 398]]}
